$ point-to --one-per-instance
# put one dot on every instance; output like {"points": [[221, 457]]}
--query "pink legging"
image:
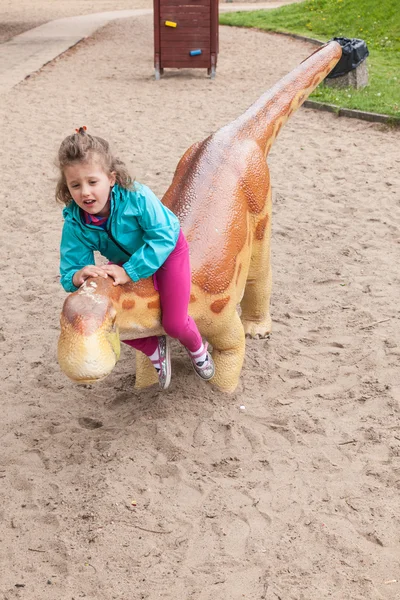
{"points": [[173, 283]]}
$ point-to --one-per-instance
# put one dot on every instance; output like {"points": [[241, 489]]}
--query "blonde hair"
{"points": [[83, 147]]}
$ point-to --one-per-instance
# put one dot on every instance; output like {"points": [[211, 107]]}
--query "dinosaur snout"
{"points": [[88, 347]]}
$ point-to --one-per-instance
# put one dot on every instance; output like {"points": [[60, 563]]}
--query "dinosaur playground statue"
{"points": [[221, 193]]}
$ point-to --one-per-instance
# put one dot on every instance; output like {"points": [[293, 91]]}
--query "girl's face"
{"points": [[89, 186]]}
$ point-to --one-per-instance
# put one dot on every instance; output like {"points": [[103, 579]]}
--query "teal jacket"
{"points": [[140, 234]]}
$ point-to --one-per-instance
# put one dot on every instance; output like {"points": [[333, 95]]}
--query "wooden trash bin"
{"points": [[185, 35]]}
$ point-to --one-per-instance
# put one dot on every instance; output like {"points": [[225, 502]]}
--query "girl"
{"points": [[124, 220]]}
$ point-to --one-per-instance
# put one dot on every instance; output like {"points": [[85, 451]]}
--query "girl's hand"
{"points": [[119, 274], [89, 271]]}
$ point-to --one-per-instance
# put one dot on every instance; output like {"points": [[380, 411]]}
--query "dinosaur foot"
{"points": [[258, 336], [257, 330]]}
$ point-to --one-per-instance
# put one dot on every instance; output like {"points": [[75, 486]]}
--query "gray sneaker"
{"points": [[164, 372], [206, 368]]}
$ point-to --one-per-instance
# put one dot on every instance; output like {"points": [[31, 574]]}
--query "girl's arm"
{"points": [[74, 257], [160, 233]]}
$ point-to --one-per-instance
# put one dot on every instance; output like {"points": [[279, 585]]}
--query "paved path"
{"points": [[29, 51]]}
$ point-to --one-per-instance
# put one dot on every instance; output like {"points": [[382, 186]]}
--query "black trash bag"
{"points": [[354, 52]]}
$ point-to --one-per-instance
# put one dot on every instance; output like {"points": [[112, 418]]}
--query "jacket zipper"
{"points": [[112, 238]]}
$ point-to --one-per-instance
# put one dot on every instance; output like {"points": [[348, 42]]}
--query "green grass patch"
{"points": [[375, 21]]}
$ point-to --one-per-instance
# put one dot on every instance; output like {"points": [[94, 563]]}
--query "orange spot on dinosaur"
{"points": [[154, 303], [219, 305], [128, 304]]}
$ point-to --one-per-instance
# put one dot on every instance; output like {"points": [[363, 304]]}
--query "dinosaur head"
{"points": [[89, 346]]}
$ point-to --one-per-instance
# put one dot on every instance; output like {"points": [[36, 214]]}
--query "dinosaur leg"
{"points": [[255, 315], [228, 354], [146, 375]]}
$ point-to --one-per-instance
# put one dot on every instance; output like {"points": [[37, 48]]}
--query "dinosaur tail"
{"points": [[264, 119]]}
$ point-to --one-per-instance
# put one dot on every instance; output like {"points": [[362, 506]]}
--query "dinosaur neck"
{"points": [[264, 119]]}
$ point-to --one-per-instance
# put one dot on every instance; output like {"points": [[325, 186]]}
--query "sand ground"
{"points": [[294, 496]]}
